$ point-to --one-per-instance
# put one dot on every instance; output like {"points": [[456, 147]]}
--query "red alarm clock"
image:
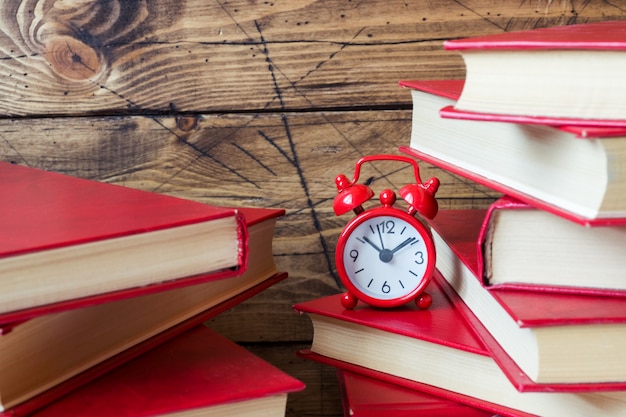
{"points": [[385, 256]]}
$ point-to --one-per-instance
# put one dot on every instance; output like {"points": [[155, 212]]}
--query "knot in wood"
{"points": [[72, 59], [187, 123]]}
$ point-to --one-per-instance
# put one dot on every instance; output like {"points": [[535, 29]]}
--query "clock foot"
{"points": [[424, 300], [349, 301]]}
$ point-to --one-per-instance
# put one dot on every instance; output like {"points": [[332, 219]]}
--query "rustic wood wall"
{"points": [[245, 102]]}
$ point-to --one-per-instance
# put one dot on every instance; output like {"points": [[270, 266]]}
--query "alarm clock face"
{"points": [[386, 259]]}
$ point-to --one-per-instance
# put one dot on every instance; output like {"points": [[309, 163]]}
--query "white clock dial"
{"points": [[385, 257]]}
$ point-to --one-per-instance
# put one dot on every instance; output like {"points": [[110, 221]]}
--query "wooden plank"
{"points": [[263, 160], [96, 57]]}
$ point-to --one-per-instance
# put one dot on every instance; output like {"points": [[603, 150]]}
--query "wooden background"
{"points": [[255, 103]]}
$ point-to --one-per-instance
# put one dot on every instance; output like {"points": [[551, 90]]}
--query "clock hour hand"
{"points": [[372, 244], [403, 244]]}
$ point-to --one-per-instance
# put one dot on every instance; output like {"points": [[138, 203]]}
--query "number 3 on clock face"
{"points": [[385, 257]]}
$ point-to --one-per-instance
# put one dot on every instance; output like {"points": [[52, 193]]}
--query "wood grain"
{"points": [[114, 56]]}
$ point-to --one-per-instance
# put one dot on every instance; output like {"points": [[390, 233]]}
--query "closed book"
{"points": [[561, 341], [587, 127], [442, 348], [523, 247], [67, 242], [563, 72], [369, 396], [45, 356], [493, 410], [572, 171], [198, 373]]}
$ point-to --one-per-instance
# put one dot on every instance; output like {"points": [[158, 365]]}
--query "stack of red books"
{"points": [[94, 277], [529, 297]]}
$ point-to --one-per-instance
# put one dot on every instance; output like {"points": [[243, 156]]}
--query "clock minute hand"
{"points": [[403, 244], [372, 244], [380, 236]]}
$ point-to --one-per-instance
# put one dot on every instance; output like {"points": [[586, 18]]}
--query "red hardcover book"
{"points": [[452, 89], [67, 348], [67, 242], [568, 257], [495, 410], [366, 396], [560, 341], [442, 348], [565, 74], [571, 171], [198, 371], [31, 405]]}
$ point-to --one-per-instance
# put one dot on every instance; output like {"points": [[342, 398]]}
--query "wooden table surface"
{"points": [[245, 103]]}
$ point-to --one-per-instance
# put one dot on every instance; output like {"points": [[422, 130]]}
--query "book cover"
{"points": [[571, 171], [198, 370], [368, 396], [560, 75], [607, 35], [611, 127], [67, 347], [68, 242], [535, 328], [442, 348], [566, 256]]}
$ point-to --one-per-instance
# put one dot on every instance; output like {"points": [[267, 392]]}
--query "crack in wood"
{"points": [[474, 12], [330, 58], [77, 59], [253, 42], [10, 145], [201, 153], [254, 158], [295, 161], [10, 58], [278, 148]]}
